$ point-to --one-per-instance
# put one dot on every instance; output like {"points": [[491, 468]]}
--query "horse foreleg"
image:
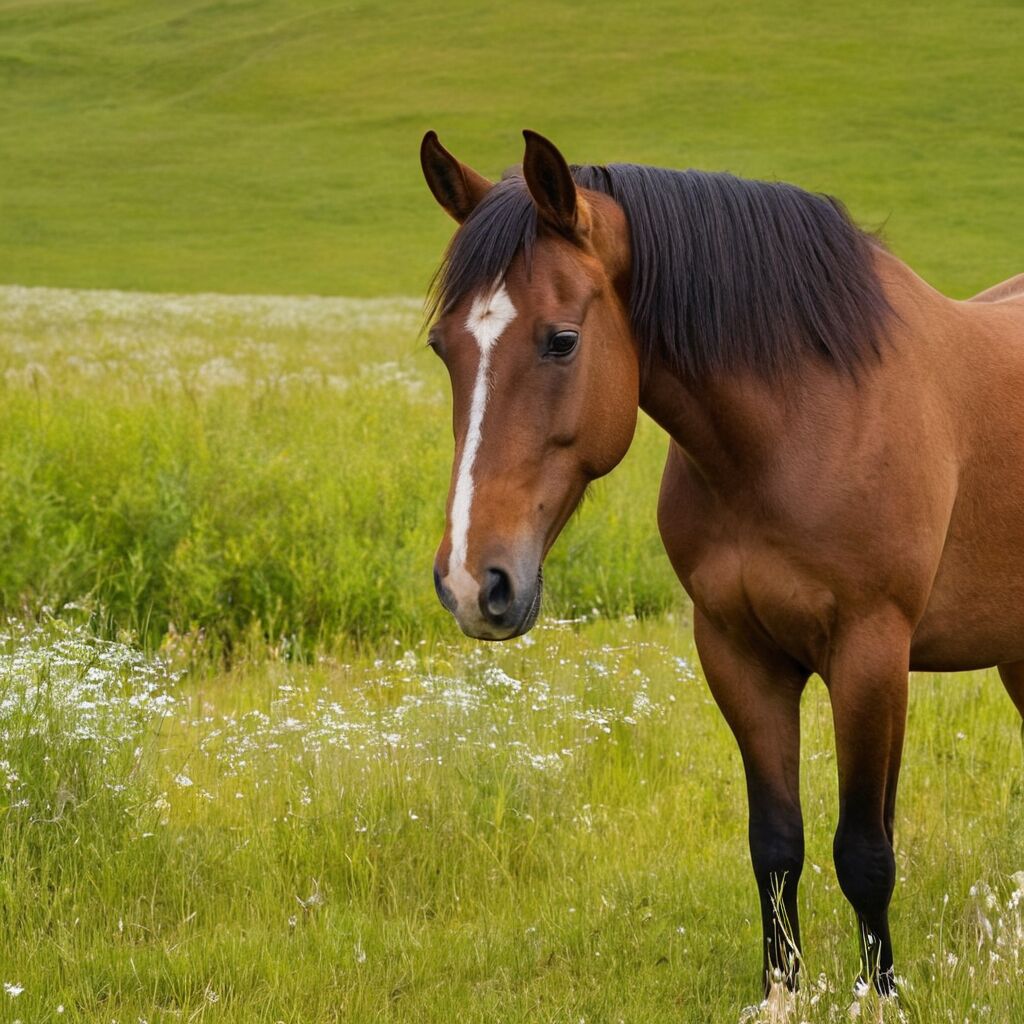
{"points": [[867, 681], [759, 692]]}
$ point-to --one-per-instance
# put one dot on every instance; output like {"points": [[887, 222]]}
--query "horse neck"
{"points": [[737, 426], [729, 427]]}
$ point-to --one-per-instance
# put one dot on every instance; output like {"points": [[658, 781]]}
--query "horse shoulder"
{"points": [[740, 581], [694, 530], [850, 516]]}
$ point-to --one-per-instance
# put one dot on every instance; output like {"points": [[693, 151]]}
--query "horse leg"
{"points": [[1013, 679], [867, 681], [759, 692]]}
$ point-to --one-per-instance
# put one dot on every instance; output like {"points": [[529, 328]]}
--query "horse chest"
{"points": [[745, 586], [756, 592]]}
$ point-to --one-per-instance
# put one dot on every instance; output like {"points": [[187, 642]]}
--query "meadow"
{"points": [[248, 773], [547, 831], [259, 471], [248, 770], [252, 147]]}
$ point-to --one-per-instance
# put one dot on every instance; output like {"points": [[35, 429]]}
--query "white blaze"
{"points": [[488, 317]]}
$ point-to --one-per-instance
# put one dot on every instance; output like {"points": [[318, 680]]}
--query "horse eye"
{"points": [[562, 343]]}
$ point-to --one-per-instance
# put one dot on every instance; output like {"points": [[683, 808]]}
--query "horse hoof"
{"points": [[779, 1007]]}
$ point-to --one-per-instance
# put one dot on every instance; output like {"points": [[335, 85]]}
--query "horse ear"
{"points": [[550, 183], [456, 187]]}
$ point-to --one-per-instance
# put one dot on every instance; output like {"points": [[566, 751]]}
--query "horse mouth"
{"points": [[529, 619], [533, 612]]}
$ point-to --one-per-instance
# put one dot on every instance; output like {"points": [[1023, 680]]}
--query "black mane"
{"points": [[727, 272]]}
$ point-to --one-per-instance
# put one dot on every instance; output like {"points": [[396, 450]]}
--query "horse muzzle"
{"points": [[502, 604]]}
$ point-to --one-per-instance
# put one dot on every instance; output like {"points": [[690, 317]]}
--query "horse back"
{"points": [[1006, 291]]}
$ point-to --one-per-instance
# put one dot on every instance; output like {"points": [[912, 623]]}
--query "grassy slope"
{"points": [[257, 147]]}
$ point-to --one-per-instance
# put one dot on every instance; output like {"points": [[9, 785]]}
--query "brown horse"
{"points": [[844, 492]]}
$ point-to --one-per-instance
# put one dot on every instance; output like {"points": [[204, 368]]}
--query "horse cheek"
{"points": [[613, 414]]}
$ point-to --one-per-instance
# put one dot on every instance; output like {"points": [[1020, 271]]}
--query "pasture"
{"points": [[289, 812], [248, 772], [237, 146], [258, 469], [552, 830]]}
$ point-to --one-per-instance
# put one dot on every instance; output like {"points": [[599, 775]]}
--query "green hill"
{"points": [[254, 146]]}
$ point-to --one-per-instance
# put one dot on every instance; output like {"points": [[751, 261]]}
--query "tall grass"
{"points": [[547, 831], [258, 471]]}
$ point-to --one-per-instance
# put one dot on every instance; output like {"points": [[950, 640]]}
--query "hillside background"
{"points": [[255, 146]]}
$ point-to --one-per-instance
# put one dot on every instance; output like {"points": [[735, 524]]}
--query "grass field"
{"points": [[250, 146], [248, 772], [359, 819], [547, 831], [259, 470]]}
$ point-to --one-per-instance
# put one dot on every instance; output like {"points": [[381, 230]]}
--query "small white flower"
{"points": [[181, 779], [13, 989]]}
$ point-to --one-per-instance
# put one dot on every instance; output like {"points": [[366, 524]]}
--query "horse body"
{"points": [[856, 529], [975, 614], [844, 489], [900, 491]]}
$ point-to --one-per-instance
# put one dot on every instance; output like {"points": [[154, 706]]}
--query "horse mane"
{"points": [[727, 272]]}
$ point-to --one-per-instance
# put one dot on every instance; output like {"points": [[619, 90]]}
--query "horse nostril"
{"points": [[496, 596]]}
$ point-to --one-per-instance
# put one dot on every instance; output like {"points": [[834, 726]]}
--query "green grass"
{"points": [[259, 471], [547, 831], [250, 146]]}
